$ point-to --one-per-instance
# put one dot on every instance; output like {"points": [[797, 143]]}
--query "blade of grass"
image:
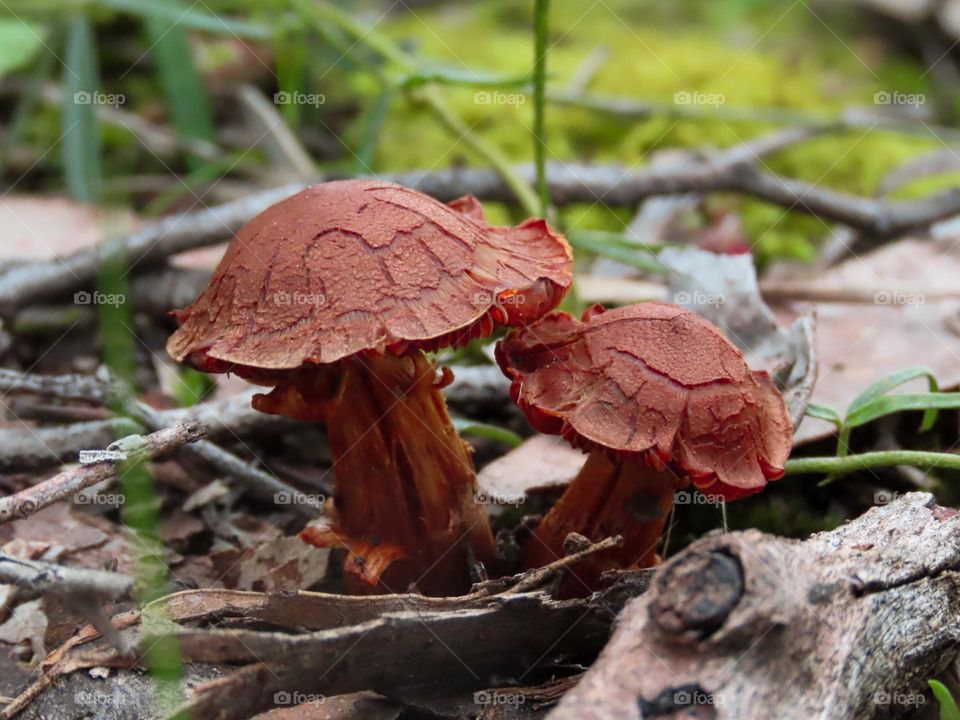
{"points": [[203, 174], [889, 404], [326, 18], [457, 77], [29, 99], [484, 430], [823, 412], [182, 85], [540, 25], [81, 130], [140, 506], [373, 128], [948, 706], [191, 18], [638, 256], [882, 387], [290, 54], [837, 466]]}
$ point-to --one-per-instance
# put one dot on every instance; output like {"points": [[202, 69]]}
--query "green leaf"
{"points": [[290, 52], [80, 146], [823, 412], [889, 404], [633, 254], [189, 106], [189, 17], [491, 432], [882, 387], [19, 43], [372, 130], [463, 78], [40, 76], [948, 707]]}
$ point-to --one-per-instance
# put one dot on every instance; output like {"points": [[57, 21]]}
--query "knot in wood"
{"points": [[695, 596]]}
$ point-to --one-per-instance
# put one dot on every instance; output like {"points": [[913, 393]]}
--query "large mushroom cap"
{"points": [[364, 265], [652, 383]]}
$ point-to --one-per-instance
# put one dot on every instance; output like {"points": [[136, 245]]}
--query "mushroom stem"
{"points": [[406, 505], [607, 498]]}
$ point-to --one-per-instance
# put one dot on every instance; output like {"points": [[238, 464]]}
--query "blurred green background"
{"points": [[168, 128]]}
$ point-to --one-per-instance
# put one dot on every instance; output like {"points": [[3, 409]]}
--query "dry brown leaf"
{"points": [[860, 344], [541, 463], [37, 228]]}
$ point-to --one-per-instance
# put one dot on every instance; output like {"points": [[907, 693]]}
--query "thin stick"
{"points": [[42, 577], [539, 576], [62, 486]]}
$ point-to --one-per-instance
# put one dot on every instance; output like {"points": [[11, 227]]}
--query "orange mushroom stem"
{"points": [[608, 497], [405, 491]]}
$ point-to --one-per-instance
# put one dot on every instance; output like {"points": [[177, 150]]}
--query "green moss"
{"points": [[654, 53]]}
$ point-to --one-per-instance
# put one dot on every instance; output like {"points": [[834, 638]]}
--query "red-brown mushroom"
{"points": [[659, 398], [331, 297]]}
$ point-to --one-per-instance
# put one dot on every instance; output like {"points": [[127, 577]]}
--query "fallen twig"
{"points": [[540, 576], [62, 486], [729, 171], [106, 389], [846, 624], [42, 577]]}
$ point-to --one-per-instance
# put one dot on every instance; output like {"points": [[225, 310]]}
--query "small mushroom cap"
{"points": [[652, 383], [363, 265]]}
